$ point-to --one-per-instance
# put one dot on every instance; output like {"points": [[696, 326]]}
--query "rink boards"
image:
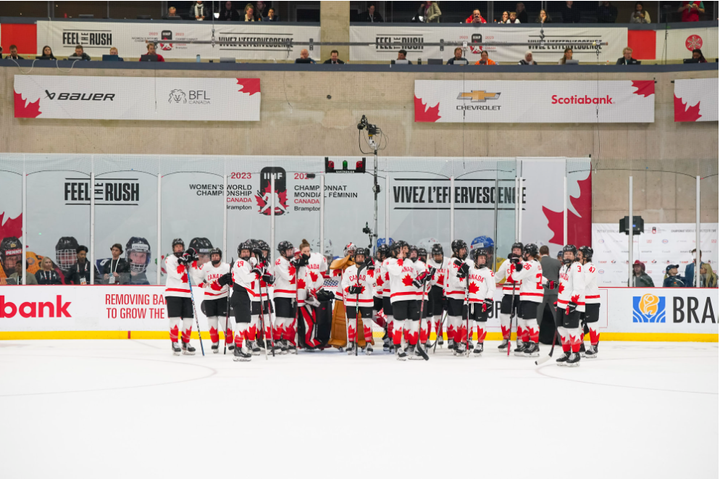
{"points": [[138, 312]]}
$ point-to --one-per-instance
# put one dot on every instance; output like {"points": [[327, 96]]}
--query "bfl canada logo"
{"points": [[648, 308], [177, 96]]}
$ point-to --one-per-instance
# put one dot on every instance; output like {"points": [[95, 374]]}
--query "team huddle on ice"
{"points": [[402, 290]]}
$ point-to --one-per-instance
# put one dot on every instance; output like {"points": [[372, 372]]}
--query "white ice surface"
{"points": [[121, 409]]}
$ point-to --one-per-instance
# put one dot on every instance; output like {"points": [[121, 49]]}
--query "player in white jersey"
{"points": [[387, 304], [456, 288], [570, 305], [404, 297], [284, 296], [177, 296], [592, 300], [310, 266], [482, 293], [511, 296], [425, 323], [214, 304], [267, 280], [357, 287], [383, 252], [436, 298], [529, 273]]}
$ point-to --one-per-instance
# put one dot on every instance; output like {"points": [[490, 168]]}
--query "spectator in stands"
{"points": [[567, 55], [229, 14], [304, 57], [640, 278], [528, 60], [570, 14], [606, 13], [640, 15], [627, 58], [80, 52], [697, 56], [151, 51], [402, 57], [260, 11], [334, 58], [521, 12], [513, 18], [505, 17], [672, 277], [458, 58], [14, 54], [250, 13], [117, 270], [485, 59], [79, 273], [47, 273], [691, 11], [371, 15], [430, 11], [114, 51], [271, 16], [16, 277], [708, 278], [47, 53], [172, 12], [475, 17], [543, 17], [199, 11]]}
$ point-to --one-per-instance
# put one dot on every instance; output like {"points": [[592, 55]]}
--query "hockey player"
{"points": [[413, 253], [482, 296], [310, 266], [338, 332], [403, 275], [425, 323], [216, 298], [357, 285], [511, 295], [571, 303], [456, 284], [592, 301], [244, 278], [378, 314], [436, 297], [177, 296], [285, 295], [529, 273], [261, 322], [384, 282], [203, 246]]}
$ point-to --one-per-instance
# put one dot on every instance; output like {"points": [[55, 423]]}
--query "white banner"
{"points": [[256, 42], [661, 244], [696, 100], [137, 98], [142, 308], [458, 101], [547, 45], [682, 41]]}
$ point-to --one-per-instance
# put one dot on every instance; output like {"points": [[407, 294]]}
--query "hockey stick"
{"points": [[419, 347], [467, 316], [438, 333], [547, 358], [197, 321], [272, 329], [262, 317], [227, 308], [357, 312], [295, 314], [512, 315]]}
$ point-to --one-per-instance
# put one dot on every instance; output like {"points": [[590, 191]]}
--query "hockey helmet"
{"points": [[517, 245], [587, 252], [483, 242], [572, 249], [349, 249], [201, 245], [217, 251], [477, 253], [66, 252], [245, 245], [456, 246], [437, 249], [283, 246], [263, 245], [10, 246], [531, 249], [422, 254], [135, 247], [384, 251], [364, 252]]}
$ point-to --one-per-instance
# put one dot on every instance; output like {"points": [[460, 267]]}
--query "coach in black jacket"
{"points": [[79, 273]]}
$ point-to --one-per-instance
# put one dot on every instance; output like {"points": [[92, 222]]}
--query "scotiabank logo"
{"points": [[582, 100], [35, 309]]}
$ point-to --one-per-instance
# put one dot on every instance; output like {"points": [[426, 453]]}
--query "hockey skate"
{"points": [[401, 354], [460, 349], [519, 349], [531, 350], [562, 360], [176, 349], [368, 350], [215, 348], [451, 344], [350, 349], [478, 350], [283, 346], [187, 349], [591, 352], [573, 360], [255, 348], [386, 344], [503, 346], [241, 355]]}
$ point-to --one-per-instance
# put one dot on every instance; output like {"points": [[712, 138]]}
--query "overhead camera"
{"points": [[364, 125]]}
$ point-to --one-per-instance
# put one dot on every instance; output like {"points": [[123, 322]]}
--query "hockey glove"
{"points": [[487, 305], [518, 267], [355, 289], [258, 253], [183, 260], [571, 307], [551, 284], [369, 264], [463, 271], [191, 254], [423, 277], [303, 260], [432, 271], [257, 271], [268, 278], [417, 283]]}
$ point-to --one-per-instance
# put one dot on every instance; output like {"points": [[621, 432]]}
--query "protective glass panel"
{"points": [[11, 234]]}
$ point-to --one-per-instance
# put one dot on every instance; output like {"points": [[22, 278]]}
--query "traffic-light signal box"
{"points": [[344, 167]]}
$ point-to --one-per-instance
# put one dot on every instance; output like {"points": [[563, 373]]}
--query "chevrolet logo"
{"points": [[478, 96]]}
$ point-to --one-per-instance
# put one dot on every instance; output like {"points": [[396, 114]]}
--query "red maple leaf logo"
{"points": [[575, 298], [562, 287], [25, 108], [180, 269], [441, 279], [684, 112], [473, 287], [407, 280], [579, 227], [425, 113], [380, 281], [387, 276], [291, 272], [12, 227], [400, 262], [301, 283], [279, 209], [313, 276], [249, 85], [644, 87], [528, 266], [183, 278]]}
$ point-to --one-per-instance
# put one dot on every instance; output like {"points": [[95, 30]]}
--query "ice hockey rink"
{"points": [[129, 408]]}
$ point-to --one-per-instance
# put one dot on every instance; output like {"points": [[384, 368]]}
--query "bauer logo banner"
{"points": [[451, 101], [696, 100], [137, 98]]}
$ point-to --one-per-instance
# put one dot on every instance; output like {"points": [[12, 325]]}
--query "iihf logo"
{"points": [[648, 308], [265, 195]]}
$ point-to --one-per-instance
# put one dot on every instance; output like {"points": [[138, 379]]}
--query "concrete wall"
{"points": [[313, 113]]}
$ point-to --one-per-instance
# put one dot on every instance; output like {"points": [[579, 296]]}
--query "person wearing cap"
{"points": [[117, 270], [640, 277], [672, 277]]}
